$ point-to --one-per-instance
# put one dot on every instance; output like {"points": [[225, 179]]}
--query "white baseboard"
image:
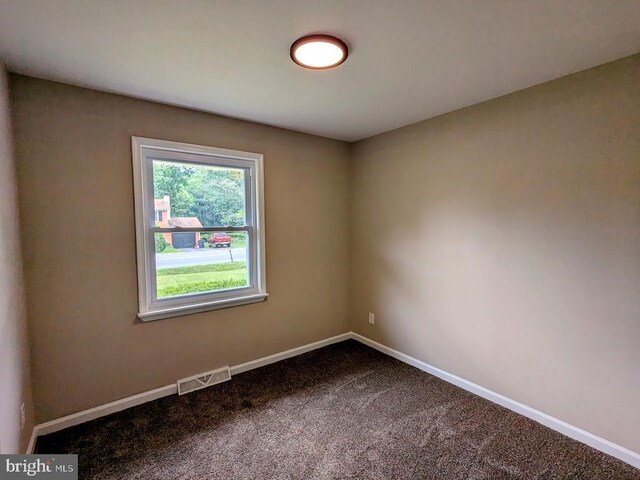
{"points": [[103, 410], [565, 428], [610, 448], [128, 402], [32, 441], [261, 362]]}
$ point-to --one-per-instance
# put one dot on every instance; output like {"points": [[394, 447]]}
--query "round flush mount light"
{"points": [[319, 52]]}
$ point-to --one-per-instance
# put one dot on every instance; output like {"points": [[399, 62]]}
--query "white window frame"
{"points": [[144, 151]]}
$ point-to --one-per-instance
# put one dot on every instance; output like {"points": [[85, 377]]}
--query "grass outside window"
{"points": [[200, 278]]}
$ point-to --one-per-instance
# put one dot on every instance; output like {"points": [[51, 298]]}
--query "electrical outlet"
{"points": [[372, 318], [22, 416]]}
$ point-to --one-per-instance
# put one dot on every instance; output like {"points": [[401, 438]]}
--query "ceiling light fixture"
{"points": [[319, 52]]}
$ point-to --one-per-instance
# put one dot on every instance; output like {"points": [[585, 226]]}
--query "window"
{"points": [[208, 253]]}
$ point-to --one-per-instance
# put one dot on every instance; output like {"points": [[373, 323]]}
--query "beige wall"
{"points": [[15, 382], [74, 166], [501, 243]]}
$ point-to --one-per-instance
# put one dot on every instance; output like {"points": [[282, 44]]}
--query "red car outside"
{"points": [[220, 239]]}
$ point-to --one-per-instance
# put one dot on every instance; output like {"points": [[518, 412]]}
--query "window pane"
{"points": [[196, 195], [192, 262]]}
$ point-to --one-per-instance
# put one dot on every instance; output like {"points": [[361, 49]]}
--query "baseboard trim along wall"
{"points": [[104, 410], [553, 423], [610, 448], [261, 362], [140, 398]]}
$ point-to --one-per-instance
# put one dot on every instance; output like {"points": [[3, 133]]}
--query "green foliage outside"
{"points": [[161, 243], [214, 195], [239, 238], [201, 278]]}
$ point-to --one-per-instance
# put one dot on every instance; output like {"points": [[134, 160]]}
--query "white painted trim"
{"points": [[128, 402], [261, 362], [150, 307], [32, 441], [103, 410], [610, 448], [202, 307]]}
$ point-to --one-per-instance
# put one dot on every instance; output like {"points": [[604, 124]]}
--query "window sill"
{"points": [[201, 307]]}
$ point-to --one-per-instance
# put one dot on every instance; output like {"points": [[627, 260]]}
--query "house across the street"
{"points": [[163, 219]]}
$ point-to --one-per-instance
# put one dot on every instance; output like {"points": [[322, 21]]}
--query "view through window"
{"points": [[201, 217], [196, 196]]}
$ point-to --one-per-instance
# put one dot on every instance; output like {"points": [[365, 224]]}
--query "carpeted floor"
{"points": [[345, 411]]}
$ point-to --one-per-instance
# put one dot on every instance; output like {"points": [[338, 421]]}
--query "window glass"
{"points": [[218, 263], [199, 227], [200, 195]]}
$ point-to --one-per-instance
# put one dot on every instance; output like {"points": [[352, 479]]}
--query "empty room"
{"points": [[320, 239]]}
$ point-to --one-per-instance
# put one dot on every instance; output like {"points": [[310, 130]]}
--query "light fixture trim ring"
{"points": [[319, 38]]}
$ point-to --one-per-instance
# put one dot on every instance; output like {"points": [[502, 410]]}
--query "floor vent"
{"points": [[203, 380]]}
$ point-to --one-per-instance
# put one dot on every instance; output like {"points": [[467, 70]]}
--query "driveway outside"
{"points": [[200, 256]]}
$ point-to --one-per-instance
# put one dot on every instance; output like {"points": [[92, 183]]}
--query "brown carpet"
{"points": [[345, 411]]}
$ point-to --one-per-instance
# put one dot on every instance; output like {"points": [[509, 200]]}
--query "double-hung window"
{"points": [[207, 250]]}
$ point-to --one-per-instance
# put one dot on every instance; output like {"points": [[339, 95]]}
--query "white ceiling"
{"points": [[410, 59]]}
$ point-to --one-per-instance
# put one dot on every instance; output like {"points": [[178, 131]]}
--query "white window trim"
{"points": [[150, 308]]}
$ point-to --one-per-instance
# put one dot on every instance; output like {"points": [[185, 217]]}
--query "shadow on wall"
{"points": [[16, 416]]}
